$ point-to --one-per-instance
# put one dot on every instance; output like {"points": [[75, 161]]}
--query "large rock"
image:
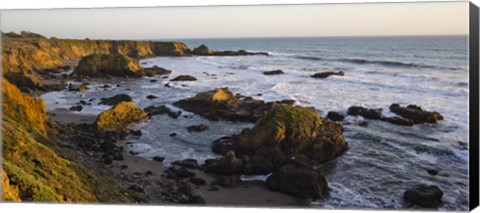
{"points": [[424, 196], [202, 50], [171, 49], [119, 116], [221, 104], [299, 180], [184, 78], [273, 72], [156, 70], [416, 114], [25, 81], [108, 65], [116, 99], [286, 132], [375, 114]]}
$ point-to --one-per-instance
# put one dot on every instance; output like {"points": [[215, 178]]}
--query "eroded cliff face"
{"points": [[31, 54]]}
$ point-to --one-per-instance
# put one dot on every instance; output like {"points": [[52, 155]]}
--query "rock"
{"points": [[432, 172], [158, 158], [25, 81], [427, 196], [285, 132], [173, 134], [327, 74], [123, 167], [153, 80], [107, 65], [230, 181], [119, 116], [116, 99], [171, 49], [221, 104], [363, 123], [76, 108], [179, 173], [335, 116], [375, 114], [196, 199], [398, 121], [184, 78], [151, 97], [107, 159], [227, 165], [213, 188], [416, 114], [76, 88], [108, 147], [136, 132], [154, 110], [167, 85], [197, 128], [105, 86], [202, 50], [148, 173], [188, 163], [156, 70], [298, 180], [198, 181], [137, 188], [273, 72], [117, 155]]}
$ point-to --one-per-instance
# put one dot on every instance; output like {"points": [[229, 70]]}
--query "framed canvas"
{"points": [[369, 106]]}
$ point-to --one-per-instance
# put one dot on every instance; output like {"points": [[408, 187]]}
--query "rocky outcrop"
{"points": [[299, 180], [107, 65], [335, 116], [116, 99], [416, 114], [119, 117], [427, 196], [273, 72], [184, 78], [222, 104], [170, 49], [26, 81], [205, 51], [410, 115], [327, 74], [285, 132]]}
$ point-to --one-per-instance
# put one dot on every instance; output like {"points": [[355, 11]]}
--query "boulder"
{"points": [[273, 72], [184, 78], [116, 99], [335, 116], [299, 180], [375, 114], [119, 116], [227, 165], [427, 196], [221, 104], [156, 70], [107, 65], [416, 114], [151, 97], [202, 50], [77, 88], [285, 132], [158, 158], [156, 110], [229, 181], [76, 108], [198, 181], [187, 163], [327, 74], [197, 128]]}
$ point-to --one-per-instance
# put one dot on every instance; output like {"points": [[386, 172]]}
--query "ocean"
{"points": [[383, 159]]}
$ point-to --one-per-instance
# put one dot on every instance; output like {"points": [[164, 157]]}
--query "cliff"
{"points": [[34, 167]]}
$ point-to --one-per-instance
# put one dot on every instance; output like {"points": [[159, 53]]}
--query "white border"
{"points": [[44, 4]]}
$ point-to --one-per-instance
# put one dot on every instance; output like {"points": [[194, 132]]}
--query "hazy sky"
{"points": [[438, 18]]}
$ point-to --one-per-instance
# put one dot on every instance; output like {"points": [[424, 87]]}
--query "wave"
{"points": [[379, 62]]}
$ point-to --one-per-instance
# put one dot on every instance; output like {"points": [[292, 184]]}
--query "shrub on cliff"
{"points": [[105, 65], [119, 116]]}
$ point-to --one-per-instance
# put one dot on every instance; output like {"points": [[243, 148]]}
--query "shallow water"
{"points": [[383, 160]]}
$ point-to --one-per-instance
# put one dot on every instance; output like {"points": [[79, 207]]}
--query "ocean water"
{"points": [[383, 159]]}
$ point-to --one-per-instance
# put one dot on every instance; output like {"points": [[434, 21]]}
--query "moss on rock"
{"points": [[119, 116]]}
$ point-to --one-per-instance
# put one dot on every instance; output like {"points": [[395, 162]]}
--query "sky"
{"points": [[372, 19]]}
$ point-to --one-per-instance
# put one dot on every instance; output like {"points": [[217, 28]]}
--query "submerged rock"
{"points": [[116, 99], [285, 132], [427, 196], [76, 108], [184, 78], [155, 70], [273, 72], [156, 110], [119, 116], [327, 74], [197, 128], [375, 114], [416, 114], [298, 180], [107, 65]]}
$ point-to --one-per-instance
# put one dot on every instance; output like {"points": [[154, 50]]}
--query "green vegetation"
{"points": [[101, 65]]}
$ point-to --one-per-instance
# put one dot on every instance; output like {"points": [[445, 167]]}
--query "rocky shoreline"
{"points": [[287, 142]]}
